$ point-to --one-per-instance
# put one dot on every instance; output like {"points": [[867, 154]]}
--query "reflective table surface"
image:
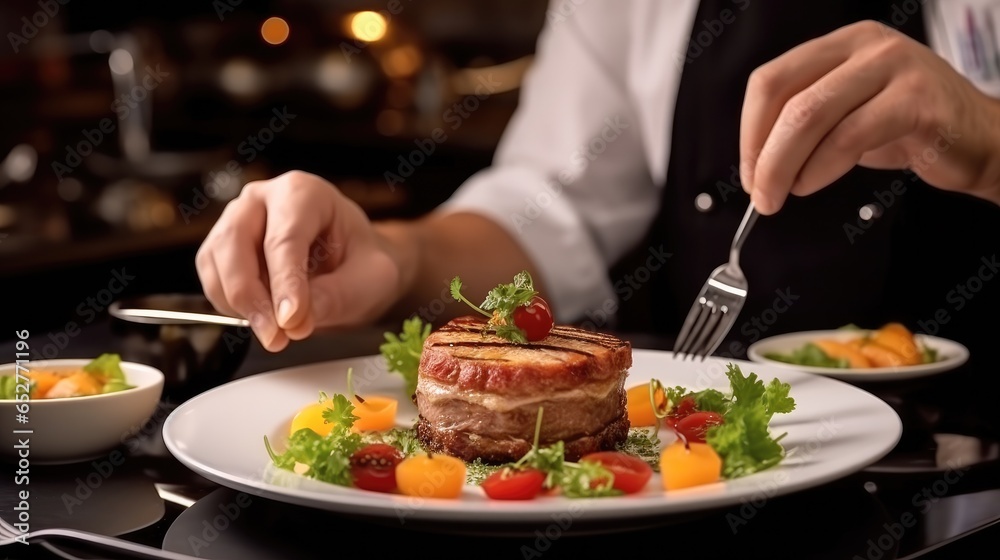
{"points": [[936, 495]]}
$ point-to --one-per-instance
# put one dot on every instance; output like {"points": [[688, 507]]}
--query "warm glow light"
{"points": [[274, 30], [368, 26]]}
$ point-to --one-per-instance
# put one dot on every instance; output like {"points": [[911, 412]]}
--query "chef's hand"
{"points": [[865, 94], [293, 253]]}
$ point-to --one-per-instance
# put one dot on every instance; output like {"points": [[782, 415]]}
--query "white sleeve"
{"points": [[569, 179], [966, 33]]}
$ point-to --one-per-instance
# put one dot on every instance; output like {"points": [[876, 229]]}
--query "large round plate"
{"points": [[951, 355], [836, 429]]}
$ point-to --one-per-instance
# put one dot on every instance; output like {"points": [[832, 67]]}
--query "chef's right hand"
{"points": [[293, 253]]}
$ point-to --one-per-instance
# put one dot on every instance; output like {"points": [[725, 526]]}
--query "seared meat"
{"points": [[478, 395]]}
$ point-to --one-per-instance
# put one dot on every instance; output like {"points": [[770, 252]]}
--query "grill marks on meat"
{"points": [[478, 395]]}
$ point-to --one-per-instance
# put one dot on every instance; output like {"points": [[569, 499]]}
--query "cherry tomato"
{"points": [[694, 426], [509, 484], [374, 467], [631, 473], [535, 319], [683, 408]]}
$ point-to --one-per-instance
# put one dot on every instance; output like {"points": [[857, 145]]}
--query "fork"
{"points": [[9, 535], [719, 302]]}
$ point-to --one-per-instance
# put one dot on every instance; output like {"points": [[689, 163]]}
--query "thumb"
{"points": [[359, 291]]}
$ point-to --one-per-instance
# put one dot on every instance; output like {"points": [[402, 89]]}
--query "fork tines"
{"points": [[699, 336]]}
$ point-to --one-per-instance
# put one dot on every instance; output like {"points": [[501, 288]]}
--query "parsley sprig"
{"points": [[743, 440], [500, 304], [327, 458], [585, 479], [402, 351]]}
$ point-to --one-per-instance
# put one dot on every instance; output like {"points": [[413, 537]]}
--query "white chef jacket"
{"points": [[577, 175]]}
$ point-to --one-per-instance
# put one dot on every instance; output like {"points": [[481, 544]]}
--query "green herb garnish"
{"points": [[808, 355], [500, 304], [327, 458], [743, 440], [644, 444], [402, 351]]}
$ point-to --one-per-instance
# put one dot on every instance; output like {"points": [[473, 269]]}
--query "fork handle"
{"points": [[120, 546], [742, 233]]}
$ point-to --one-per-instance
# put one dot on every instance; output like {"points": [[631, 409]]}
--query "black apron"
{"points": [[816, 264]]}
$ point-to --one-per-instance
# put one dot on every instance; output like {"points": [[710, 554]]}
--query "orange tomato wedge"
{"points": [[684, 466], [44, 381], [431, 476], [843, 351], [639, 407], [375, 413]]}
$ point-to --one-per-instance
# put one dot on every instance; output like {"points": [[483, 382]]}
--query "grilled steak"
{"points": [[478, 395]]}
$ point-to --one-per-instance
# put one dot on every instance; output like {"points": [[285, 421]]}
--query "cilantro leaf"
{"points": [[711, 400], [327, 458], [776, 399], [508, 297], [675, 394], [500, 304], [744, 439], [588, 479], [402, 351], [340, 412]]}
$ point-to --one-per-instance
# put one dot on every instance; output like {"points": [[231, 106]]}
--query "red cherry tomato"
{"points": [[373, 467], [535, 319], [685, 407], [631, 473], [694, 426], [508, 484]]}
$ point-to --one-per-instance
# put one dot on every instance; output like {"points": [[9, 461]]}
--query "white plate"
{"points": [[835, 430], [951, 354]]}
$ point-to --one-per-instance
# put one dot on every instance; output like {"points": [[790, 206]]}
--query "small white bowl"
{"points": [[951, 355], [75, 429]]}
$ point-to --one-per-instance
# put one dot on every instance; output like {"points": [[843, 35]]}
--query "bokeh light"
{"points": [[368, 26], [274, 30]]}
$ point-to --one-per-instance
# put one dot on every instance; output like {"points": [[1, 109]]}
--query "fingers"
{"points": [[875, 124], [234, 256], [357, 291], [774, 83], [803, 123], [793, 102], [292, 227]]}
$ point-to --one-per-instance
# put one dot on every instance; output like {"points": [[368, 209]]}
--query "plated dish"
{"points": [[835, 430], [889, 353]]}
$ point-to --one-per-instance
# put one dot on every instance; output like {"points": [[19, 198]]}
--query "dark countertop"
{"points": [[906, 505]]}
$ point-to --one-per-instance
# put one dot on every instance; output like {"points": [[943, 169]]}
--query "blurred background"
{"points": [[129, 125]]}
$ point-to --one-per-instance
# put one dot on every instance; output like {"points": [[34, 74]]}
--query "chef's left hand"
{"points": [[865, 94]]}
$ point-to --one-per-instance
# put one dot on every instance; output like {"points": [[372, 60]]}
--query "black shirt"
{"points": [[816, 264]]}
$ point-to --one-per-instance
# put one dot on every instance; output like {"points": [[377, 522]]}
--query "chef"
{"points": [[861, 130]]}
